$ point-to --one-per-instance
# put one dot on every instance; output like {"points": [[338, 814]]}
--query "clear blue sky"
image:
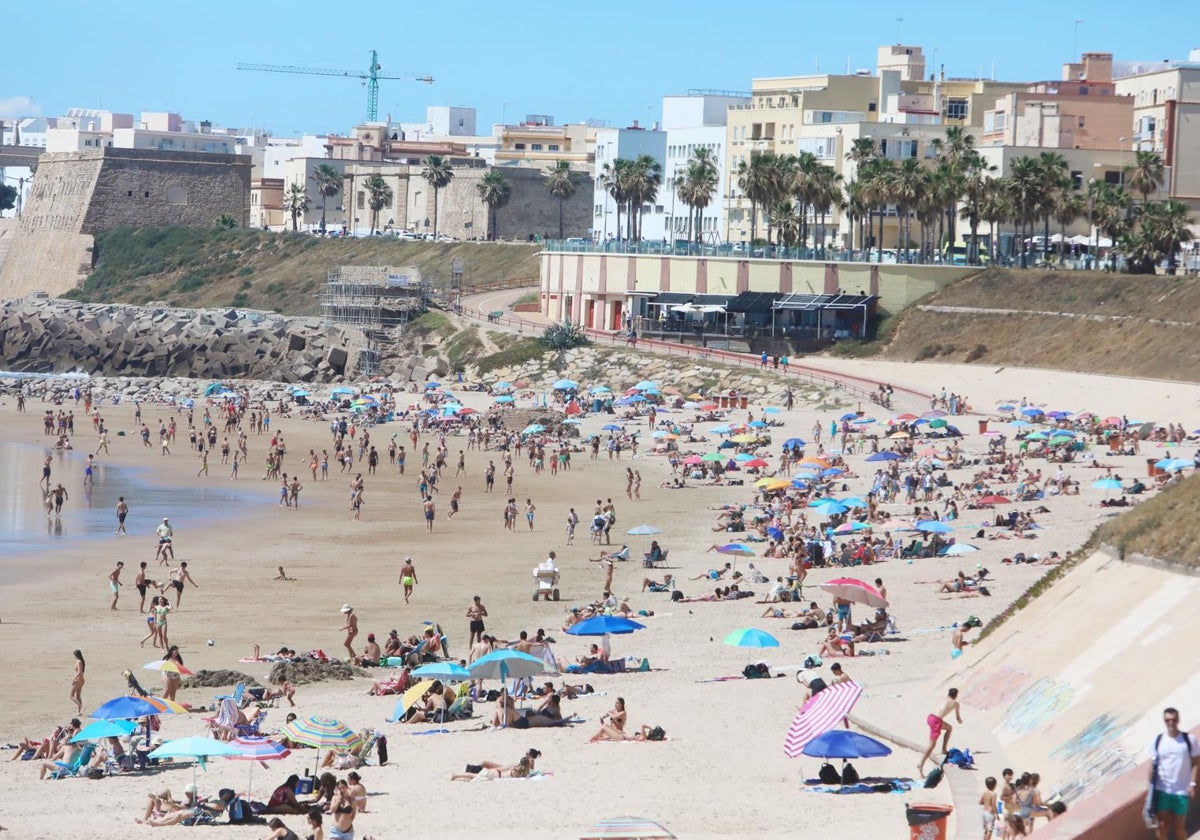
{"points": [[611, 61]]}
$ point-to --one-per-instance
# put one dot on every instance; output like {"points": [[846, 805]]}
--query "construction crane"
{"points": [[371, 77]]}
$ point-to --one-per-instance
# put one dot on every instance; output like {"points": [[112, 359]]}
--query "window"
{"points": [[1112, 178], [599, 210], [553, 147], [1082, 122], [871, 107], [537, 147], [957, 108], [1083, 90], [1077, 178], [520, 147]]}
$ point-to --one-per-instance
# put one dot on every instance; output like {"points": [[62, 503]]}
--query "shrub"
{"points": [[977, 352], [929, 351], [564, 336]]}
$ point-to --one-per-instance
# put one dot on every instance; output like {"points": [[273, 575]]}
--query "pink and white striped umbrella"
{"points": [[824, 710], [262, 750]]}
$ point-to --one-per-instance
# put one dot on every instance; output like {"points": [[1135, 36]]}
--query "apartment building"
{"points": [[538, 142], [628, 144]]}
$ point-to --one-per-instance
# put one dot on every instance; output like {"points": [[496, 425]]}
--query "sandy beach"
{"points": [[722, 771]]}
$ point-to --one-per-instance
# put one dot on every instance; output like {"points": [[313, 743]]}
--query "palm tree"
{"points": [[1067, 206], [863, 153], [909, 184], [1028, 193], [559, 184], [616, 179], [1147, 174], [825, 195], [494, 191], [379, 195], [877, 178], [437, 173], [754, 180], [995, 208], [1055, 178], [1112, 211], [295, 202], [1162, 226], [858, 211], [975, 169], [645, 179], [329, 184], [701, 183], [957, 151]]}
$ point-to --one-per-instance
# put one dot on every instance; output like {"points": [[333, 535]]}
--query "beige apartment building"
{"points": [[1166, 119], [538, 142]]}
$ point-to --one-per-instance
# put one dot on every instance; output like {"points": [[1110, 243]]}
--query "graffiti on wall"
{"points": [[994, 688]]}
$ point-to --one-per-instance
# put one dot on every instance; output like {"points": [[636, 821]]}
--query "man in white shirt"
{"points": [[1176, 757]]}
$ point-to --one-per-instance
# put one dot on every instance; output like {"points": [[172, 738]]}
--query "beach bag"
{"points": [[849, 775], [813, 661], [656, 734], [934, 778], [829, 775]]}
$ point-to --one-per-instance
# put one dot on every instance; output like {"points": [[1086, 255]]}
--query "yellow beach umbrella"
{"points": [[744, 438]]}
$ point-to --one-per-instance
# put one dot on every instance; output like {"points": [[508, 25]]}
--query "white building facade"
{"points": [[692, 122], [629, 144]]}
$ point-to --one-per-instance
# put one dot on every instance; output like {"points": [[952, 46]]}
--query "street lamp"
{"points": [[1092, 218], [21, 182]]}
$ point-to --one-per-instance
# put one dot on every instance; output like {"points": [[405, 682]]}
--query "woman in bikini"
{"points": [[342, 811], [77, 682], [492, 770], [612, 724], [172, 679]]}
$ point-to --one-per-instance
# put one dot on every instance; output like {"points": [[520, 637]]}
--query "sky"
{"points": [[609, 61]]}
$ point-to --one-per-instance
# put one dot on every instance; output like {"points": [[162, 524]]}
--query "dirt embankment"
{"points": [[1085, 321]]}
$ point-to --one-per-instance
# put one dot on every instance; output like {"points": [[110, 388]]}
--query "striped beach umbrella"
{"points": [[322, 733], [127, 708], [823, 711], [627, 828], [253, 748]]}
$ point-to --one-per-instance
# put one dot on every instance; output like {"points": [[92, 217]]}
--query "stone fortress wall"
{"points": [[76, 195]]}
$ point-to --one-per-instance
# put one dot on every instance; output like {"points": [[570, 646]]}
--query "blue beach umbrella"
{"points": [[533, 429], [504, 399], [128, 708], [828, 507], [853, 415], [442, 671], [1006, 407], [750, 637], [770, 410], [104, 729], [1031, 411], [757, 424], [506, 664], [1107, 484], [774, 533], [934, 526], [737, 550], [845, 744], [565, 385], [612, 427], [603, 625], [885, 456], [794, 442], [646, 385]]}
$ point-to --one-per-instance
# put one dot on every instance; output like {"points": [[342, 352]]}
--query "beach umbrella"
{"points": [[749, 637], [863, 421], [736, 550], [770, 482], [448, 671], [994, 500], [604, 625], [194, 747], [792, 442], [189, 403], [1172, 464], [693, 460], [743, 456], [933, 526], [533, 429], [1031, 411], [104, 729], [645, 385], [932, 413], [851, 528], [502, 386], [855, 590], [904, 418], [852, 415], [627, 828], [215, 389], [758, 464], [322, 733], [1107, 484], [958, 549], [643, 531], [845, 744], [720, 430], [168, 666], [506, 664], [853, 502], [120, 708], [504, 399], [898, 436], [601, 389], [744, 438], [1006, 407], [938, 423], [255, 748], [411, 695], [343, 391], [823, 711], [712, 456], [885, 456], [774, 533], [565, 385], [828, 507], [770, 410], [429, 386], [612, 427], [757, 424]]}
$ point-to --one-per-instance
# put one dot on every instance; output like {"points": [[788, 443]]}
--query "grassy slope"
{"points": [[1132, 346], [263, 270], [1164, 527]]}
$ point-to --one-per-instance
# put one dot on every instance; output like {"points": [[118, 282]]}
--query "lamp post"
{"points": [[21, 182], [1092, 218]]}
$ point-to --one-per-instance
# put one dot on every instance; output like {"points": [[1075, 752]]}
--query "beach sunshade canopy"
{"points": [[566, 385], [737, 550], [934, 526], [1032, 412], [853, 415], [1172, 464], [829, 508], [823, 711], [902, 435], [885, 456], [533, 429], [215, 388], [855, 590], [258, 749], [1006, 407], [931, 414], [712, 456], [758, 464], [612, 427], [322, 733], [104, 729], [1107, 484], [504, 399], [194, 748], [750, 637], [507, 664], [409, 698], [851, 528], [938, 423], [601, 389], [604, 625], [643, 531], [442, 671], [744, 438], [845, 744], [958, 549], [627, 828], [907, 417], [794, 442], [343, 391], [645, 385], [770, 410], [757, 424], [775, 534], [994, 499], [431, 385], [127, 708], [693, 460]]}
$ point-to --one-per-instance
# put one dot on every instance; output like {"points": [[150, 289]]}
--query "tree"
{"points": [[1028, 187], [1067, 206], [615, 177], [329, 184], [754, 180], [559, 184], [1147, 174], [1162, 226], [1112, 212], [295, 202], [697, 187], [995, 208], [975, 182], [1055, 179], [858, 211], [437, 173], [225, 222], [494, 191], [8, 197], [864, 153], [379, 195], [909, 184], [645, 179], [956, 151]]}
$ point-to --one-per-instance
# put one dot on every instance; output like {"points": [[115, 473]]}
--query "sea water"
{"points": [[90, 510]]}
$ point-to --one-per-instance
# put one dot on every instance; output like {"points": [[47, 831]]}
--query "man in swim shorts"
{"points": [[477, 612], [938, 725], [114, 583], [122, 512], [408, 577]]}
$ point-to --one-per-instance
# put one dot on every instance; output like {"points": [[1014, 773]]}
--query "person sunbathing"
{"points": [[612, 724], [774, 612], [284, 689], [667, 584], [714, 574], [611, 555], [162, 804], [959, 584], [835, 645], [193, 813], [506, 713], [492, 770]]}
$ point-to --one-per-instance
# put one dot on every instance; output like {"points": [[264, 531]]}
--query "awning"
{"points": [[672, 298], [753, 302], [812, 303]]}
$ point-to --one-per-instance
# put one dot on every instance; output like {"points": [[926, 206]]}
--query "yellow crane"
{"points": [[370, 78]]}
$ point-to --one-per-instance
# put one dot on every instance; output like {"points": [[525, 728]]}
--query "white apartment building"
{"points": [[628, 143], [695, 121]]}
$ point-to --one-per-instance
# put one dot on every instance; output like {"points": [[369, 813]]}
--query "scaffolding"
{"points": [[373, 303]]}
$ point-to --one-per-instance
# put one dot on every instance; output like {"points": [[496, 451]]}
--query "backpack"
{"points": [[756, 670], [849, 775], [829, 775], [934, 778], [657, 734]]}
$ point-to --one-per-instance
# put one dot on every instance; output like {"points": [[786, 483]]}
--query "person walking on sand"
{"points": [[165, 534], [938, 725], [408, 577], [141, 584], [114, 583], [530, 509], [351, 628], [60, 495], [46, 471], [203, 463], [430, 513], [1173, 775], [988, 803], [455, 499], [77, 682], [122, 512], [294, 492]]}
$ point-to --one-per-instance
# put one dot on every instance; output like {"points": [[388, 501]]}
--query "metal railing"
{"points": [[861, 387], [738, 251]]}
